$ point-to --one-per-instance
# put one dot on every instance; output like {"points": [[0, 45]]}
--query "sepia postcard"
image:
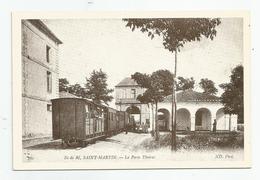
{"points": [[131, 90]]}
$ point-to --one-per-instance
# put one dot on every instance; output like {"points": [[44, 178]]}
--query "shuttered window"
{"points": [[49, 82], [48, 52]]}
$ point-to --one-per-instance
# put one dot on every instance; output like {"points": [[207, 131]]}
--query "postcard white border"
{"points": [[18, 164]]}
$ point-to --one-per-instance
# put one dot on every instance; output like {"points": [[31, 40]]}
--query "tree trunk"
{"points": [[174, 107], [152, 119], [229, 123], [156, 123]]}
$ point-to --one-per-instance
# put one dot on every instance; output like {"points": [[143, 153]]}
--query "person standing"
{"points": [[215, 125], [126, 128]]}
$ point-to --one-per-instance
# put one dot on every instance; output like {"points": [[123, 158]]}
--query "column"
{"points": [[192, 123]]}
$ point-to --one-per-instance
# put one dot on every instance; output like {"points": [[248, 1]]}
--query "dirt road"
{"points": [[119, 147]]}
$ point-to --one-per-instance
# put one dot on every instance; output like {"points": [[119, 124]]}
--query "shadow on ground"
{"points": [[112, 141], [55, 145]]}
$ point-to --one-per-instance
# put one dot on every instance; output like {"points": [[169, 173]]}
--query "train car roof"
{"points": [[80, 99], [67, 95]]}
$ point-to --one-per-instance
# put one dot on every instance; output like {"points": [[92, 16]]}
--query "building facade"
{"points": [[195, 111], [40, 74], [126, 100]]}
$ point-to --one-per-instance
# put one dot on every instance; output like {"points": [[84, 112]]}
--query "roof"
{"points": [[193, 96], [64, 94], [127, 82], [44, 29]]}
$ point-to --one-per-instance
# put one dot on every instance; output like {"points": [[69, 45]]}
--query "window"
{"points": [[48, 50], [49, 108], [133, 93], [49, 87], [114, 117]]}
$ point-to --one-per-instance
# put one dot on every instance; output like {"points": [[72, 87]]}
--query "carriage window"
{"points": [[87, 111], [102, 113], [92, 115], [86, 108], [114, 116], [110, 116]]}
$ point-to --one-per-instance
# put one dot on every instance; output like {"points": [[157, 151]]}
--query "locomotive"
{"points": [[83, 121]]}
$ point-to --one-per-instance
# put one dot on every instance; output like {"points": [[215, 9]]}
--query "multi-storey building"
{"points": [[40, 71], [126, 100]]}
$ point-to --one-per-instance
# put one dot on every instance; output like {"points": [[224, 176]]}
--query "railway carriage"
{"points": [[111, 121], [81, 120], [123, 120]]}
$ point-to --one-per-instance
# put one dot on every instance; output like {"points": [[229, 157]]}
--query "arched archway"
{"points": [[135, 114], [183, 122], [163, 119], [222, 120], [203, 120]]}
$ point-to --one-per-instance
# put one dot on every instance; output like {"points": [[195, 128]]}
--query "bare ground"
{"points": [[119, 147]]}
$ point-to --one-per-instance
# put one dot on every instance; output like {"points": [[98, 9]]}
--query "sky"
{"points": [[91, 44]]}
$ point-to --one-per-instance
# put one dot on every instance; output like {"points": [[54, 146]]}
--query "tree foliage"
{"points": [[96, 87], [176, 31], [143, 80], [208, 86], [184, 83], [63, 85], [233, 95], [77, 90], [158, 85]]}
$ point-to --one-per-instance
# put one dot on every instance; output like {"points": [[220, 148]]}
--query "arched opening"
{"points": [[183, 122], [222, 120], [203, 120], [163, 119], [135, 114]]}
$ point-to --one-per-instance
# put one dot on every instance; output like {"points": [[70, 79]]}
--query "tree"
{"points": [[233, 95], [63, 85], [144, 81], [96, 87], [77, 90], [175, 32], [208, 86], [184, 83], [158, 85]]}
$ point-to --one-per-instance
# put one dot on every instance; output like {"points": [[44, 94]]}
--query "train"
{"points": [[79, 120]]}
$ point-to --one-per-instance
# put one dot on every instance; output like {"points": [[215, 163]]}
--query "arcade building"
{"points": [[195, 111]]}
